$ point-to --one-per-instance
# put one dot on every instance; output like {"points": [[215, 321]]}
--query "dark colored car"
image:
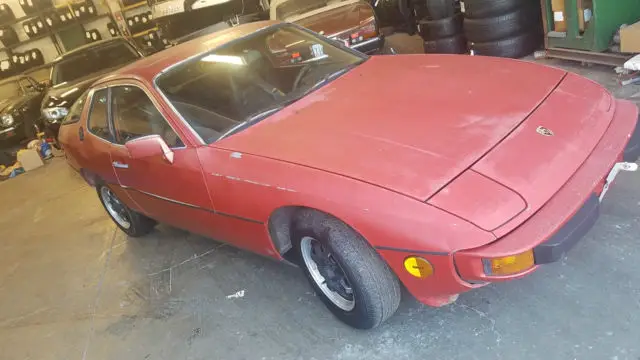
{"points": [[73, 72], [20, 98]]}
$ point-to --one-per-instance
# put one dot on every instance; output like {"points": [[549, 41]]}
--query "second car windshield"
{"points": [[252, 77], [92, 60]]}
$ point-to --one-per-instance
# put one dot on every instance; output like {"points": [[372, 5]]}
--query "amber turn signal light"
{"points": [[418, 267], [509, 265]]}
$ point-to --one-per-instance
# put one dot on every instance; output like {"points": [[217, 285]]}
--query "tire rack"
{"points": [[142, 38], [48, 32]]}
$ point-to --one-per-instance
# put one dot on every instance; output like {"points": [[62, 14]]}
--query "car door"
{"points": [[97, 141], [170, 192]]}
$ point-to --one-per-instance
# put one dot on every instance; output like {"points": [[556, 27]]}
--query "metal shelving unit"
{"points": [[51, 32]]}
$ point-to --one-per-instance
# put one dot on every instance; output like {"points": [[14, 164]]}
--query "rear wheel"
{"points": [[129, 221], [349, 276]]}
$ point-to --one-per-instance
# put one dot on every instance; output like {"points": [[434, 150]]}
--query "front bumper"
{"points": [[632, 151], [552, 231], [370, 46], [569, 214], [12, 135]]}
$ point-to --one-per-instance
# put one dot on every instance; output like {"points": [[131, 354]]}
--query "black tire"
{"points": [[478, 9], [514, 47], [140, 225], [375, 288], [434, 9], [437, 29], [502, 26], [451, 45]]}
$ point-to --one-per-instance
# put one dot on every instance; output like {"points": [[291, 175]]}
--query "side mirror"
{"points": [[147, 146]]}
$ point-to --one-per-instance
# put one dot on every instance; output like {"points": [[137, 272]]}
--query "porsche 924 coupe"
{"points": [[367, 172]]}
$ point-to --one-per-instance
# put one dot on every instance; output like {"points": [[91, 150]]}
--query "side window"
{"points": [[76, 110], [135, 115], [98, 120]]}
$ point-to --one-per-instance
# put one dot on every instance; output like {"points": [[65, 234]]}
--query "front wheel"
{"points": [[129, 221], [345, 271]]}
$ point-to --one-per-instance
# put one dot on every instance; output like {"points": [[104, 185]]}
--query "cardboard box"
{"points": [[630, 38], [30, 159], [559, 18]]}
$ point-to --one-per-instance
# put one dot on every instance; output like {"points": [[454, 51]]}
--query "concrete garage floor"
{"points": [[74, 287]]}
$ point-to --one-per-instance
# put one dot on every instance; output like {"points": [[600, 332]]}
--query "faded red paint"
{"points": [[396, 149]]}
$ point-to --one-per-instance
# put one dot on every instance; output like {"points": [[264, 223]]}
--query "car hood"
{"points": [[408, 123], [8, 105], [66, 94], [334, 19]]}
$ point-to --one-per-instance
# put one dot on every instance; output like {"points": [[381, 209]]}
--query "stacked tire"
{"points": [[440, 26], [84, 10], [92, 36], [504, 28], [8, 36], [34, 27], [113, 29], [6, 14], [140, 22]]}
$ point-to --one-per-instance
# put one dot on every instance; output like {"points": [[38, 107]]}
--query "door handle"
{"points": [[120, 165], [81, 134]]}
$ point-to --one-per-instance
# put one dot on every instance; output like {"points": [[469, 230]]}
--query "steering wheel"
{"points": [[303, 71]]}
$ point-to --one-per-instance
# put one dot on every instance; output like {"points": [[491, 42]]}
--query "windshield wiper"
{"points": [[254, 118], [268, 111], [329, 77]]}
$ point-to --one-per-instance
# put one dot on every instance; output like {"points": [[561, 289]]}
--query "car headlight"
{"points": [[7, 120], [55, 113]]}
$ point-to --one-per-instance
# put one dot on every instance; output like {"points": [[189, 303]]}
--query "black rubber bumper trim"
{"points": [[632, 151], [372, 47], [575, 229]]}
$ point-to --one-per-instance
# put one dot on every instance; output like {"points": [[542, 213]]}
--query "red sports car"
{"points": [[440, 172]]}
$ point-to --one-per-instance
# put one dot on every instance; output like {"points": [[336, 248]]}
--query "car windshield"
{"points": [[10, 89], [92, 60], [291, 8], [231, 88]]}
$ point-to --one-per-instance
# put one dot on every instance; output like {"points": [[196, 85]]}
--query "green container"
{"points": [[607, 16]]}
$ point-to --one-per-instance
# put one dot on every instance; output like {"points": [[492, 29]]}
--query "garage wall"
{"points": [[45, 44]]}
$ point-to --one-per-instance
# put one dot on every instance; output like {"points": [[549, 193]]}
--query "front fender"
{"points": [[254, 187]]}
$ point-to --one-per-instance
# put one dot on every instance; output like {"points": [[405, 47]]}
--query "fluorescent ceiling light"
{"points": [[228, 59]]}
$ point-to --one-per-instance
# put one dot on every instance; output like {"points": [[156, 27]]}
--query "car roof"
{"points": [[147, 68], [90, 46]]}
